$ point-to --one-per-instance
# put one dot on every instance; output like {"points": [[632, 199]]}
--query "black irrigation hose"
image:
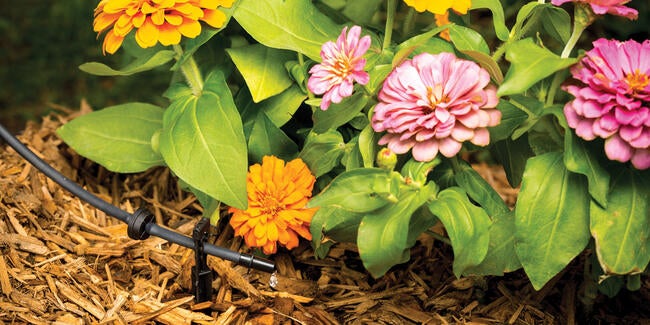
{"points": [[141, 223]]}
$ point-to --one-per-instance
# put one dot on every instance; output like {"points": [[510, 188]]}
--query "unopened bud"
{"points": [[386, 159]]}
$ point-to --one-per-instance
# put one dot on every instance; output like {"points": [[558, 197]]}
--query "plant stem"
{"points": [[390, 20], [437, 236], [191, 72], [409, 22]]}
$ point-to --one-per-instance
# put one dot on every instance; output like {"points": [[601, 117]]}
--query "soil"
{"points": [[64, 262]]}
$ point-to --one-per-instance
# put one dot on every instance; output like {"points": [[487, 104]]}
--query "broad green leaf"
{"points": [[138, 65], [279, 108], [368, 145], [498, 16], [530, 63], [191, 45], [203, 142], [377, 76], [621, 230], [501, 256], [578, 160], [352, 157], [556, 22], [267, 139], [322, 152], [117, 137], [383, 237], [511, 118], [263, 69], [359, 190], [487, 62], [467, 39], [479, 190], [331, 224], [287, 24], [339, 114], [467, 226], [552, 218], [545, 136], [512, 154]]}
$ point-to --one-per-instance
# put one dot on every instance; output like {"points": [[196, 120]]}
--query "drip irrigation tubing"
{"points": [[141, 224]]}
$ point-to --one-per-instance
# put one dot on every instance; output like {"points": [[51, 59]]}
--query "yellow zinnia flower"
{"points": [[156, 21], [440, 7], [277, 199]]}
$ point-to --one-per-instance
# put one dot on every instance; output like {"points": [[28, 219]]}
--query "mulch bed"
{"points": [[64, 262]]}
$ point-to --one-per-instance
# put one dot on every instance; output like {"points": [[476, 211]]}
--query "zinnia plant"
{"points": [[613, 101], [361, 125], [434, 103]]}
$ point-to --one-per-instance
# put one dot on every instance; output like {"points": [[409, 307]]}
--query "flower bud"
{"points": [[386, 159]]}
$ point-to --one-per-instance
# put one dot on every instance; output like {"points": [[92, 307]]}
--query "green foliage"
{"points": [[213, 160], [118, 137]]}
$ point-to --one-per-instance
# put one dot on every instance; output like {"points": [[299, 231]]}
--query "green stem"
{"points": [[409, 22], [390, 20], [191, 72], [437, 236]]}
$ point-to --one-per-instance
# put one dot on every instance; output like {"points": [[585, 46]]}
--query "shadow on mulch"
{"points": [[64, 262]]}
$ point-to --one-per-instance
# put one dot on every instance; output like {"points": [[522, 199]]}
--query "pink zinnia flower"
{"points": [[342, 64], [613, 100], [601, 7], [433, 103]]}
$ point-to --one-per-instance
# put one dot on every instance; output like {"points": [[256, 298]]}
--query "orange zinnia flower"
{"points": [[156, 21], [277, 199]]}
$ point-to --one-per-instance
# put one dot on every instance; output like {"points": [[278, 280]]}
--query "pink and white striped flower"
{"points": [[433, 103], [342, 65], [612, 100]]}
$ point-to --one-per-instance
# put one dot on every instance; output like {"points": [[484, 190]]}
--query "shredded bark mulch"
{"points": [[64, 262]]}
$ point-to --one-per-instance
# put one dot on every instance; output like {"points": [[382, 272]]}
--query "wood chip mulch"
{"points": [[64, 262]]}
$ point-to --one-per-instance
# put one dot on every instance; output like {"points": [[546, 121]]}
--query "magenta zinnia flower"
{"points": [[342, 64], [433, 103], [613, 100], [601, 7]]}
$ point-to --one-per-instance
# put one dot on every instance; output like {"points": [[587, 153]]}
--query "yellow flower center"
{"points": [[436, 95], [637, 81]]}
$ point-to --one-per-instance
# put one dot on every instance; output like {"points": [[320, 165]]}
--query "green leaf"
{"points": [[408, 47], [417, 171], [368, 145], [383, 237], [203, 142], [138, 65], [498, 17], [322, 152], [467, 226], [530, 63], [523, 14], [279, 108], [267, 139], [339, 114], [331, 224], [117, 137], [263, 69], [377, 76], [551, 218], [479, 190], [287, 24], [511, 118], [578, 160], [557, 23], [512, 154], [501, 256], [621, 230], [359, 190], [467, 39]]}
